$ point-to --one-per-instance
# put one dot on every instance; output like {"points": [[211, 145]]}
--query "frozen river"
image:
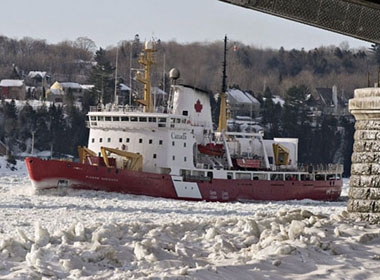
{"points": [[76, 234]]}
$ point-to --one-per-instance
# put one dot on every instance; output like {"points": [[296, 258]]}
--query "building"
{"points": [[242, 103], [59, 91], [13, 89]]}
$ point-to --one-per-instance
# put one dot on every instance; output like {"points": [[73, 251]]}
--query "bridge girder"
{"points": [[354, 18]]}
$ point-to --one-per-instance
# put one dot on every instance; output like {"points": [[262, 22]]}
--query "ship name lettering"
{"points": [[179, 136], [109, 179]]}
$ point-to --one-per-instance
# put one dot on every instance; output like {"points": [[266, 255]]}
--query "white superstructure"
{"points": [[166, 141]]}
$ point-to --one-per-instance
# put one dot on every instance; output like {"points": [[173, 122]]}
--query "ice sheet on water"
{"points": [[86, 234]]}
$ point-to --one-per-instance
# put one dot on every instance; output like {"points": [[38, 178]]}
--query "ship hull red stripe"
{"points": [[54, 173]]}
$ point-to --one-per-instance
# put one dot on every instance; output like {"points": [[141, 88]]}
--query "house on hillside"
{"points": [[55, 93], [242, 103], [73, 88], [12, 89], [58, 91], [37, 82], [38, 78]]}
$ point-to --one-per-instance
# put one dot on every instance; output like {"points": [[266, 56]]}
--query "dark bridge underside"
{"points": [[354, 18]]}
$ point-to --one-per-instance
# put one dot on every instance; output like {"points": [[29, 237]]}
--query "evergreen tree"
{"points": [[10, 124], [58, 130], [282, 71], [294, 108], [102, 77], [295, 62], [327, 140], [27, 123], [42, 133], [76, 129], [89, 99], [271, 114], [295, 122]]}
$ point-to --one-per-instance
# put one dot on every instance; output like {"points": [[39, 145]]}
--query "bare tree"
{"points": [[86, 44]]}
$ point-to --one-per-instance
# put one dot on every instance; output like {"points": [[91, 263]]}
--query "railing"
{"points": [[116, 108], [321, 172], [321, 168]]}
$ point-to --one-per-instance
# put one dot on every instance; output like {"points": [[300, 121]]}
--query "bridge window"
{"points": [[142, 119], [172, 121], [108, 119], [161, 122], [152, 119], [100, 118], [133, 119], [116, 119], [93, 118], [124, 119]]}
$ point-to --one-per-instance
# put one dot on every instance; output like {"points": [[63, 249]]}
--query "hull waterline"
{"points": [[46, 174]]}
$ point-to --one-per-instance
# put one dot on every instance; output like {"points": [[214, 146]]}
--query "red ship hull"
{"points": [[46, 174]]}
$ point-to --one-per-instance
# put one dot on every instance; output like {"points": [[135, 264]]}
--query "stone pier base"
{"points": [[364, 192]]}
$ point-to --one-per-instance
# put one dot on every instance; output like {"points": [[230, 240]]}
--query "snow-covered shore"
{"points": [[71, 234]]}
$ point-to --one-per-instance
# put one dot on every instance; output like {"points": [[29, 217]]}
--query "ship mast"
{"points": [[115, 101], [222, 126], [147, 59]]}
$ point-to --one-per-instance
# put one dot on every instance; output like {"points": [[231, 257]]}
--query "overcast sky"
{"points": [[108, 22]]}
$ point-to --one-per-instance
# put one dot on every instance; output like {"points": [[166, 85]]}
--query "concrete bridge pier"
{"points": [[364, 192]]}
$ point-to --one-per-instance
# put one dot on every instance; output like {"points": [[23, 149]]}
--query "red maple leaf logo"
{"points": [[198, 106]]}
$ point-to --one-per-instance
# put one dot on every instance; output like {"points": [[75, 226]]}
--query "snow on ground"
{"points": [[71, 234]]}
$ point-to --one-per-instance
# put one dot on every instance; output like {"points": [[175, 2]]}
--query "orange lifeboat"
{"points": [[211, 149]]}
